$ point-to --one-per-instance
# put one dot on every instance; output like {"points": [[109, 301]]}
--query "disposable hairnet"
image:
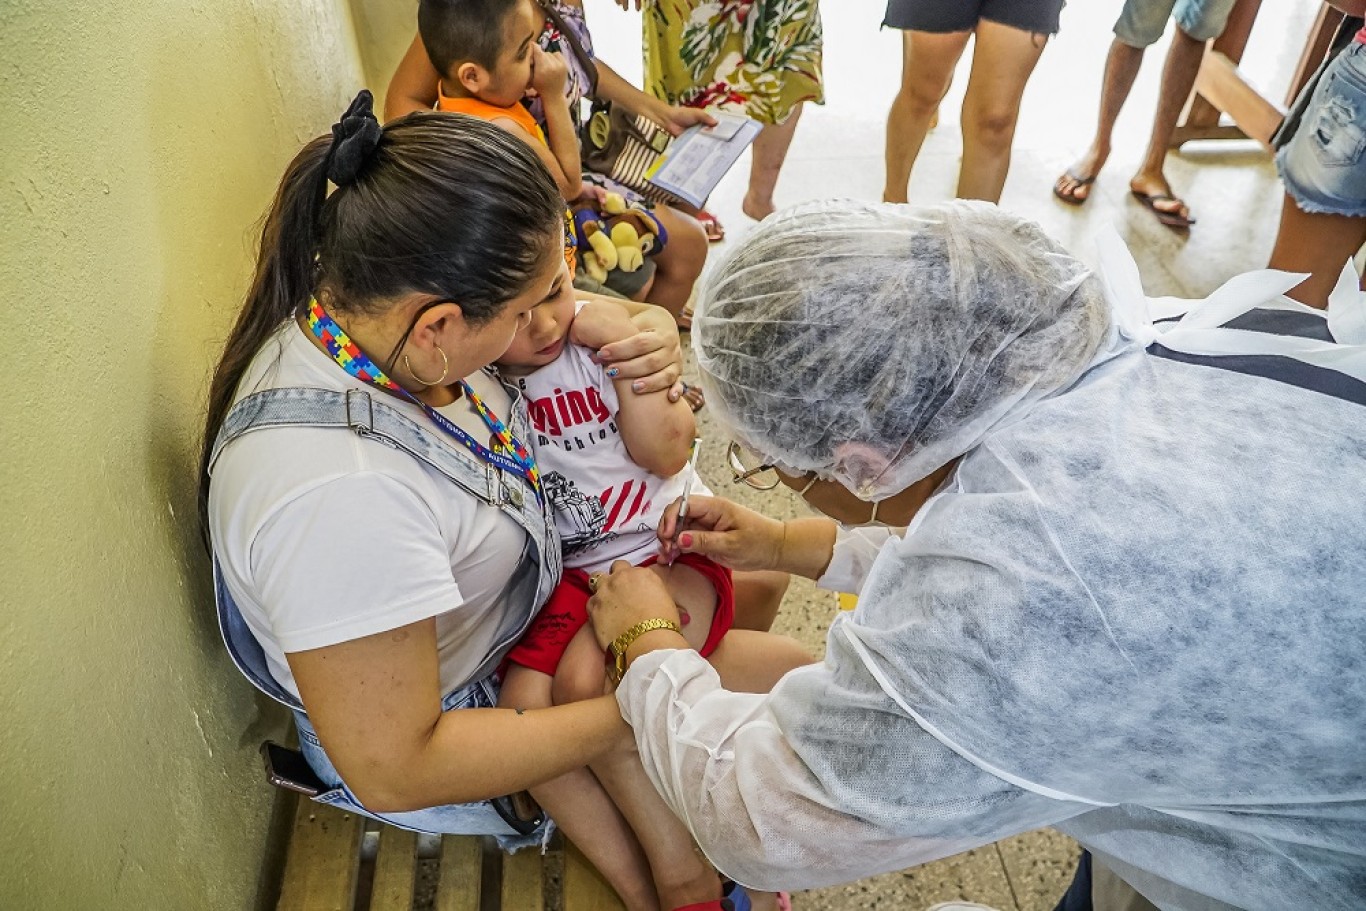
{"points": [[1135, 612], [1139, 605], [875, 343]]}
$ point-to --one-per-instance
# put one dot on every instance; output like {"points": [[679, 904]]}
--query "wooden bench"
{"points": [[338, 861]]}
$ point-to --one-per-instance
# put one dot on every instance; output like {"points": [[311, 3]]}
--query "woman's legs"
{"points": [[1002, 61], [768, 154], [927, 63], [1317, 243], [679, 874], [680, 262]]}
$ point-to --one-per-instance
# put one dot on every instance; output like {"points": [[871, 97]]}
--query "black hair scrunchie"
{"points": [[354, 140]]}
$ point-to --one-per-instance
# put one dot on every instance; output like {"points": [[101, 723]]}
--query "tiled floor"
{"points": [[1231, 188]]}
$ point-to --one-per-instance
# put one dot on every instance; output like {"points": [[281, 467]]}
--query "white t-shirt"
{"points": [[606, 506], [324, 537]]}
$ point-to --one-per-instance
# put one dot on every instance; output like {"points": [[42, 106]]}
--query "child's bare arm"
{"points": [[547, 157], [612, 87], [548, 76], [658, 433], [413, 86], [601, 321], [604, 327], [650, 353]]}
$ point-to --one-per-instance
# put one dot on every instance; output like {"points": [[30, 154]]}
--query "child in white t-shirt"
{"points": [[609, 466]]}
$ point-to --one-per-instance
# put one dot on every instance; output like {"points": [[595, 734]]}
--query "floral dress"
{"points": [[763, 56]]}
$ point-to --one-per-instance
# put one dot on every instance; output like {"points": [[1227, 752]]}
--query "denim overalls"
{"points": [[535, 577]]}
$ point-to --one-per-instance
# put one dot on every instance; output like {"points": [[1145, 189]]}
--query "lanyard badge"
{"points": [[511, 454]]}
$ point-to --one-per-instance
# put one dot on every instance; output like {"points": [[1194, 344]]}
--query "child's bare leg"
{"points": [[751, 662], [586, 814], [582, 809], [582, 673], [681, 876]]}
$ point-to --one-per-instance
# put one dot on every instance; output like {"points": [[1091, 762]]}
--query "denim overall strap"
{"points": [[360, 411], [371, 418]]}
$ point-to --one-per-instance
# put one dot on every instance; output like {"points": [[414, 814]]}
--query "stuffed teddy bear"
{"points": [[598, 252], [620, 241], [633, 233]]}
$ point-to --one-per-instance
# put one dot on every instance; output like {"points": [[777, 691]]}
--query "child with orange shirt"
{"points": [[488, 58]]}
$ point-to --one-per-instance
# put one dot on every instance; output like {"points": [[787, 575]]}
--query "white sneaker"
{"points": [[960, 906]]}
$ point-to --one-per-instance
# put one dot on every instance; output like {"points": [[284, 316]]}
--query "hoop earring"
{"points": [[445, 369]]}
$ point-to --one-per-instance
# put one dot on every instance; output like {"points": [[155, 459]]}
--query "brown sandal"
{"points": [[1166, 216]]}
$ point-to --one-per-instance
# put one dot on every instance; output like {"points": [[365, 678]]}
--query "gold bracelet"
{"points": [[625, 640]]}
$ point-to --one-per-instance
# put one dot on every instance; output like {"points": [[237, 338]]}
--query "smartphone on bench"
{"points": [[286, 768]]}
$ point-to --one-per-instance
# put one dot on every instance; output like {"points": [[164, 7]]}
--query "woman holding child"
{"points": [[375, 580]]}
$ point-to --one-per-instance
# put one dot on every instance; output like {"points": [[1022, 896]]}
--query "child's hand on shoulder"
{"points": [[549, 73], [590, 194]]}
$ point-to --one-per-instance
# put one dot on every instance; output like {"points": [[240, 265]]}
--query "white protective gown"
{"points": [[1138, 613]]}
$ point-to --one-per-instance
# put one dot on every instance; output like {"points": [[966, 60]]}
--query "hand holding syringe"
{"points": [[683, 504]]}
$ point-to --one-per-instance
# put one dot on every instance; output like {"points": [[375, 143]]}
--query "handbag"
{"points": [[625, 148]]}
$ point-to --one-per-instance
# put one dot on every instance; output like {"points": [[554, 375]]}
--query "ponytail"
{"points": [[279, 290]]}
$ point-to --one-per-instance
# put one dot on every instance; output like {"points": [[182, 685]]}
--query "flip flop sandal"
{"points": [[693, 396], [1068, 198], [1170, 219], [715, 233], [735, 894], [740, 900]]}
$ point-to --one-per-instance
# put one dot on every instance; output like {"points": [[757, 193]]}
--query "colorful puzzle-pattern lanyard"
{"points": [[515, 457]]}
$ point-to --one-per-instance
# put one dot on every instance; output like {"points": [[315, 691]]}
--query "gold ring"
{"points": [[593, 583]]}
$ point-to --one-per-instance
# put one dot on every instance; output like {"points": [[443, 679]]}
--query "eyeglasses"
{"points": [[765, 477], [745, 471]]}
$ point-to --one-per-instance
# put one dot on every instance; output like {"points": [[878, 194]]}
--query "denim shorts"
{"points": [[1324, 163], [1142, 22], [457, 819]]}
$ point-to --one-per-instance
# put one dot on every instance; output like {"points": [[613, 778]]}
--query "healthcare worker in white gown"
{"points": [[1131, 599]]}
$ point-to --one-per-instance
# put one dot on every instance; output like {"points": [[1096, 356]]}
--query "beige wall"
{"points": [[385, 29], [139, 144]]}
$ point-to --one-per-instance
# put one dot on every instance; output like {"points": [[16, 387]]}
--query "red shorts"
{"points": [[566, 612]]}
